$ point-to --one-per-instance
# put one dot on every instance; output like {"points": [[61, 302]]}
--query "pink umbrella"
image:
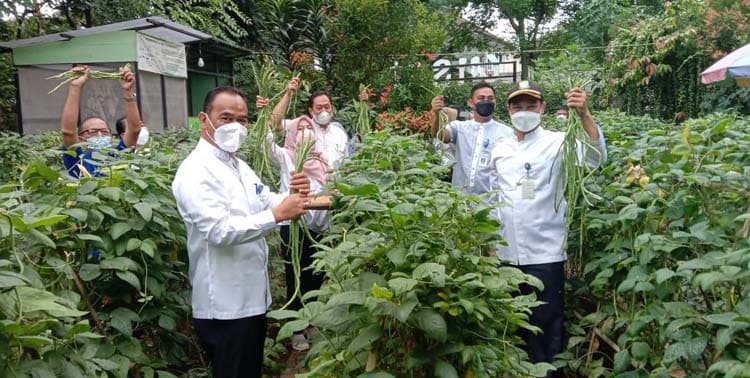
{"points": [[737, 64]]}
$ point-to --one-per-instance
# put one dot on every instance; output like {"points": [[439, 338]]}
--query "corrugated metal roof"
{"points": [[159, 27]]}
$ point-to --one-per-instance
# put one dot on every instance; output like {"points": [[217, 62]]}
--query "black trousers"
{"points": [[308, 279], [235, 347], [549, 316]]}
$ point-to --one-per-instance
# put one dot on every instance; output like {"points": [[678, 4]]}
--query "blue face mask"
{"points": [[99, 142]]}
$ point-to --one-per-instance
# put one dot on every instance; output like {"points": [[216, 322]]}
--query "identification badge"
{"points": [[484, 159], [527, 189]]}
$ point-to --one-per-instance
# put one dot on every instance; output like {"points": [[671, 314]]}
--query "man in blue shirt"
{"points": [[94, 131]]}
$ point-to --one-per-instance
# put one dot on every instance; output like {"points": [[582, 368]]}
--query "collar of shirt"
{"points": [[532, 136], [206, 148]]}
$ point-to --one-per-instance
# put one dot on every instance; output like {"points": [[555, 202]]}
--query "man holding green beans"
{"points": [[523, 168]]}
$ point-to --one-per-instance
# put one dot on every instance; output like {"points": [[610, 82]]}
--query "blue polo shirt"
{"points": [[83, 157]]}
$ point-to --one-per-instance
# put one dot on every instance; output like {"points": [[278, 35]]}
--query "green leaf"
{"points": [[144, 210], [167, 322], [119, 229], [122, 318], [404, 310], [402, 285], [148, 247], [404, 209], [87, 187], [445, 370], [48, 221], [119, 263], [720, 127], [282, 314], [91, 237], [348, 297], [33, 341], [622, 361], [133, 244], [664, 274], [41, 238], [687, 350], [130, 278], [725, 318], [640, 351], [80, 327], [368, 279], [378, 374], [111, 192], [165, 374], [289, 328], [11, 279], [89, 272], [368, 205], [34, 299], [105, 364], [708, 279], [366, 336], [432, 324], [397, 255], [433, 271], [130, 347], [77, 214]]}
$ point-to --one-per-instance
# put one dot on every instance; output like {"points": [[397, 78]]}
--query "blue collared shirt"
{"points": [[85, 158]]}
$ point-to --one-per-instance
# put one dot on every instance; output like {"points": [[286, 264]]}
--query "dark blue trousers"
{"points": [[235, 347], [549, 317]]}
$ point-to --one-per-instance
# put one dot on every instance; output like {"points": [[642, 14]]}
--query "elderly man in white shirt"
{"points": [[521, 169], [331, 136], [227, 212], [473, 139]]}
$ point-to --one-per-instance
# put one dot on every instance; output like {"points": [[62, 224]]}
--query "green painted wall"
{"points": [[118, 46], [200, 84]]}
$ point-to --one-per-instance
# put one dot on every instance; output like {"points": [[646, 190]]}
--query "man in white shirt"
{"points": [[331, 136], [523, 173], [227, 211], [473, 139]]}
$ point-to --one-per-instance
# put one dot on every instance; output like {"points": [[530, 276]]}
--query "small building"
{"points": [[175, 66], [498, 61]]}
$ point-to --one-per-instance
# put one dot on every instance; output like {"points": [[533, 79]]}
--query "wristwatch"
{"points": [[129, 98]]}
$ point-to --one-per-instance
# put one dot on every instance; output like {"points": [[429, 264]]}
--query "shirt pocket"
{"points": [[251, 190]]}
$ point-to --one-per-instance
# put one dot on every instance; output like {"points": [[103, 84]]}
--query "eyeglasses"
{"points": [[94, 131]]}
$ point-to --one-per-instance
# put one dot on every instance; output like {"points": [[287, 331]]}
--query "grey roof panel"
{"points": [[156, 26]]}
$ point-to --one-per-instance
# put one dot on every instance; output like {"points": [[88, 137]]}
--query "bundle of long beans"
{"points": [[570, 181], [442, 120], [71, 75], [267, 81], [363, 114], [297, 227]]}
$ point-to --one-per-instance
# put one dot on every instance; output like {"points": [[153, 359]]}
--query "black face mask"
{"points": [[485, 108]]}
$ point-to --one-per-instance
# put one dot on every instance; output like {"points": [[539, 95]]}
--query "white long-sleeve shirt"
{"points": [[534, 231], [333, 142], [473, 142], [227, 212]]}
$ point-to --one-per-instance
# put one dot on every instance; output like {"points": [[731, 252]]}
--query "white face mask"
{"points": [[229, 137], [561, 117], [99, 142], [323, 118], [525, 121], [142, 136]]}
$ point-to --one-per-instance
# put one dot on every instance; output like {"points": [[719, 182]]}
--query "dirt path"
{"points": [[294, 364]]}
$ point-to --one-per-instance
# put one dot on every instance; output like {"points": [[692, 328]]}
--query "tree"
{"points": [[374, 39]]}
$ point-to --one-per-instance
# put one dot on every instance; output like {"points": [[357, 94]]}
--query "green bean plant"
{"points": [[409, 292]]}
